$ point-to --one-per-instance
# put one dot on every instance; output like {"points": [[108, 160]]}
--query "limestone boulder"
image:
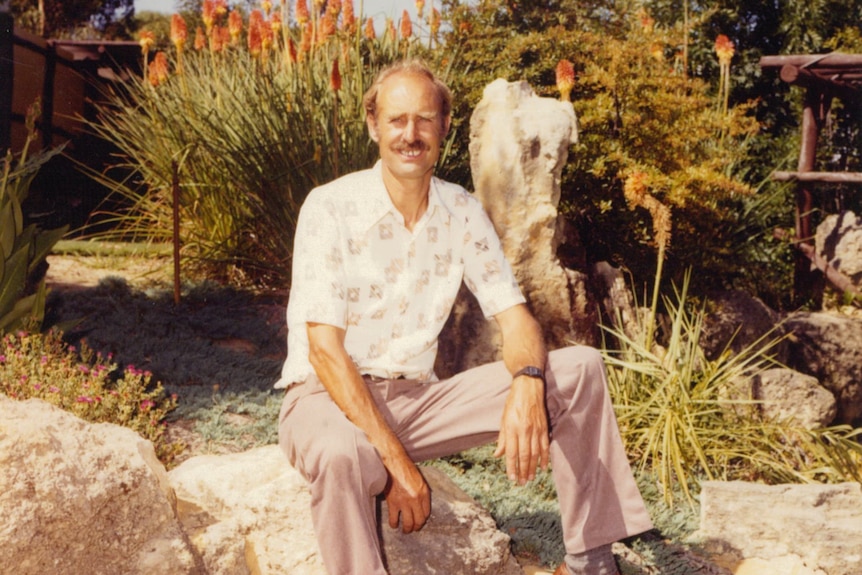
{"points": [[788, 395], [813, 529], [519, 143], [838, 240], [249, 513], [828, 346], [82, 498], [735, 320]]}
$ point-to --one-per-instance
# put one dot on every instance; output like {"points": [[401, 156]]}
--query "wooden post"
{"points": [[7, 73], [175, 197], [814, 113]]}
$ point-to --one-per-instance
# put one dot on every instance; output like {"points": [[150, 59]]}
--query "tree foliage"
{"points": [[112, 19]]}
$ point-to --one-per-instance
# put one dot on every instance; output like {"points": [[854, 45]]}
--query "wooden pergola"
{"points": [[824, 77]]}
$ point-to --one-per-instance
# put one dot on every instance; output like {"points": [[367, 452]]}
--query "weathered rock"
{"points": [[788, 395], [519, 144], [249, 513], [829, 347], [820, 524], [838, 240], [82, 498], [735, 320]]}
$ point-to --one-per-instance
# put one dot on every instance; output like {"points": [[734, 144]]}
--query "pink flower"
{"points": [[84, 399]]}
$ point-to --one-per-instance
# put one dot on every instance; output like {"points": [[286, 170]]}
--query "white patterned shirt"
{"points": [[356, 266]]}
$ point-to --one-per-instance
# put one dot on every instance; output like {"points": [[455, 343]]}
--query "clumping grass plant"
{"points": [[87, 384], [680, 421], [250, 117]]}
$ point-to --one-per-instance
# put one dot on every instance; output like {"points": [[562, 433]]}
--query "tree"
{"points": [[112, 19]]}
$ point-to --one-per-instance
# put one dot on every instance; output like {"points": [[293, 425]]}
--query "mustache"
{"points": [[417, 146]]}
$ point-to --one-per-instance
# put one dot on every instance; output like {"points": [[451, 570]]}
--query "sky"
{"points": [[378, 9]]}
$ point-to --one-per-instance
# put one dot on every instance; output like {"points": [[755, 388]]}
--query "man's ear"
{"points": [[371, 122], [447, 123]]}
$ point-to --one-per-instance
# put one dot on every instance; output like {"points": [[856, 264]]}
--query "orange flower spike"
{"points": [[200, 39], [305, 41], [267, 36], [406, 26], [370, 34], [301, 12], [647, 22], [220, 8], [218, 38], [147, 40], [724, 49], [333, 7], [158, 70], [390, 29], [291, 50], [255, 37], [420, 8], [348, 16], [234, 26], [179, 31], [326, 28], [435, 22], [208, 14], [275, 23], [565, 79], [635, 188], [335, 77]]}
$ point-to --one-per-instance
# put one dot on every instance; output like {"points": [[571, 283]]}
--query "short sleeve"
{"points": [[317, 291], [487, 272]]}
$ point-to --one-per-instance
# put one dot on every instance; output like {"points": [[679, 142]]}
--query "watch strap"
{"points": [[530, 371]]}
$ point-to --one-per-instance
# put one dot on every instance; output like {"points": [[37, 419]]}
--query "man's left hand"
{"points": [[523, 434]]}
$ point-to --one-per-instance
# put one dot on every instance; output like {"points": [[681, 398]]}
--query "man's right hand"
{"points": [[408, 496]]}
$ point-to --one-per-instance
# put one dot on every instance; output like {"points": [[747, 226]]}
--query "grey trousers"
{"points": [[599, 500]]}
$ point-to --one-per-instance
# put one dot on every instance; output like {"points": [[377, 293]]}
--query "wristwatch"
{"points": [[530, 371]]}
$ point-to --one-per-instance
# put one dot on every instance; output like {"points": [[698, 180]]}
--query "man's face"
{"points": [[409, 127]]}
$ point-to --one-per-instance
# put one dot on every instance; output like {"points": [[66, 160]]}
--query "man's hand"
{"points": [[407, 496], [523, 434]]}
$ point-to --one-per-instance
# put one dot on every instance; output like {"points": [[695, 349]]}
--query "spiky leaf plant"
{"points": [[680, 423]]}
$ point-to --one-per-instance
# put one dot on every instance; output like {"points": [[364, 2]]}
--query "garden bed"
{"points": [[220, 350]]}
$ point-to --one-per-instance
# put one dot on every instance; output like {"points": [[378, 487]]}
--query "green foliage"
{"points": [[638, 113], [250, 133], [23, 248], [680, 421], [41, 366]]}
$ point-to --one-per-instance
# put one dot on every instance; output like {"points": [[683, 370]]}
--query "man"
{"points": [[378, 260]]}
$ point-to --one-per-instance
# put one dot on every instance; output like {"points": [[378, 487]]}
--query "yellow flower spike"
{"points": [[565, 79], [406, 26], [724, 49], [267, 37], [220, 7], [275, 23], [435, 22], [267, 6], [635, 188], [420, 8], [390, 29], [146, 40], [234, 26], [370, 34], [208, 14], [179, 31], [333, 7], [301, 12]]}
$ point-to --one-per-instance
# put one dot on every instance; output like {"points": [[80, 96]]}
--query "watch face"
{"points": [[531, 371]]}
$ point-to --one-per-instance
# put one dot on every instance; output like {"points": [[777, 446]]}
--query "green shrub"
{"points": [[251, 130], [41, 366], [22, 248]]}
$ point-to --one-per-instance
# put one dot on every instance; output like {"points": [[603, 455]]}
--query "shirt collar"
{"points": [[380, 204]]}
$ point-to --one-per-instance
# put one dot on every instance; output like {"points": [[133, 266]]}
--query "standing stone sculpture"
{"points": [[519, 144]]}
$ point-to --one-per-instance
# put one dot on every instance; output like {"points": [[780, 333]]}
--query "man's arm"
{"points": [[407, 494], [524, 437]]}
